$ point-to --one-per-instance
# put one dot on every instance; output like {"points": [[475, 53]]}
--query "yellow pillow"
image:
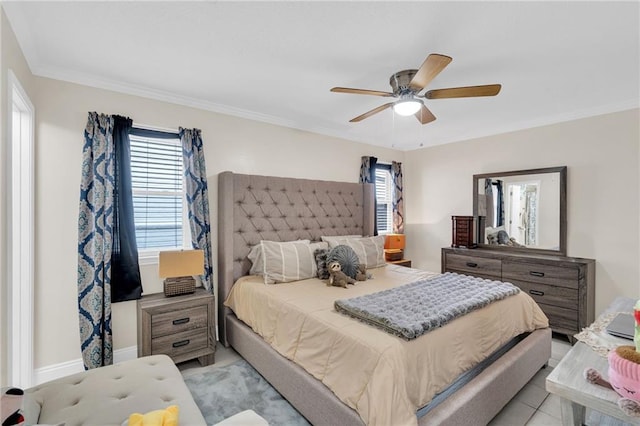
{"points": [[166, 417]]}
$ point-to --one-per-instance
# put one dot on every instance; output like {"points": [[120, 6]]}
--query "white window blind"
{"points": [[156, 174], [384, 202]]}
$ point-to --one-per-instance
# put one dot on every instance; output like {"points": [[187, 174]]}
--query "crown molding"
{"points": [[164, 96], [74, 77], [611, 108]]}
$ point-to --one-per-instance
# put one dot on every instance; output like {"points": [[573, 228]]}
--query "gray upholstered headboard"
{"points": [[253, 208]]}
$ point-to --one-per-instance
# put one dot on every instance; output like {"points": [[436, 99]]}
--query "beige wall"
{"points": [[602, 156], [11, 58], [600, 152], [235, 144]]}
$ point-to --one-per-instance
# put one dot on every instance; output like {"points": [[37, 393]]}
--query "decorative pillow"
{"points": [[166, 417], [347, 258], [286, 262], [256, 257], [321, 263], [370, 250]]}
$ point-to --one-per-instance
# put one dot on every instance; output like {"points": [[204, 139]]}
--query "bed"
{"points": [[254, 208]]}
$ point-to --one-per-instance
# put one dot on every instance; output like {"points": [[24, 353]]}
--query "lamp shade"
{"points": [[407, 106], [180, 263], [394, 241]]}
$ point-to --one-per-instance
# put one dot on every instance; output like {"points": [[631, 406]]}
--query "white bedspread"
{"points": [[383, 377]]}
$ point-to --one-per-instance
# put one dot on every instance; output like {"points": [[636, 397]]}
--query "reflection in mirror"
{"points": [[522, 209]]}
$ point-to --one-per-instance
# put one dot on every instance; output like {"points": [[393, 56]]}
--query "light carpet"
{"points": [[221, 392]]}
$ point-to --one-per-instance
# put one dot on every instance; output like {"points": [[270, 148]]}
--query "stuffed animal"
{"points": [[502, 237], [11, 406], [628, 406], [624, 372], [513, 243], [337, 277], [361, 275]]}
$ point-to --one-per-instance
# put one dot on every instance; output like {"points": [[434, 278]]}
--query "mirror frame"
{"points": [[479, 234]]}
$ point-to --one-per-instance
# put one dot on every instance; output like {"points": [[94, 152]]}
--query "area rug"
{"points": [[221, 392]]}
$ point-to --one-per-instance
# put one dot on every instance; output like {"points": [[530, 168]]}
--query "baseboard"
{"points": [[52, 372]]}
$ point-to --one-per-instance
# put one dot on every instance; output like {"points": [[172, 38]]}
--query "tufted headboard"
{"points": [[253, 208]]}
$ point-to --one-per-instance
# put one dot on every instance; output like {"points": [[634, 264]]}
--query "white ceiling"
{"points": [[276, 61]]}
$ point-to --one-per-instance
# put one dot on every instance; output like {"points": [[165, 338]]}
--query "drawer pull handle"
{"points": [[181, 321], [181, 343], [536, 274], [472, 265], [537, 292]]}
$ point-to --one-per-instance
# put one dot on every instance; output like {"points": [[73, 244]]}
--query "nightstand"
{"points": [[180, 326], [401, 262]]}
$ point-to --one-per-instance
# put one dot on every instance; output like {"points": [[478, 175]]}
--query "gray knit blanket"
{"points": [[414, 309]]}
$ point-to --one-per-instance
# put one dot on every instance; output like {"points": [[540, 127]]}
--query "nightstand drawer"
{"points": [[182, 327], [474, 265], [540, 273], [180, 320], [181, 343], [550, 295]]}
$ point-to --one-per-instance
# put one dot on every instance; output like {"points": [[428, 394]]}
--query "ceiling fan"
{"points": [[407, 85]]}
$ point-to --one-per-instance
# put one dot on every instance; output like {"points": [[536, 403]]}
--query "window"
{"points": [[158, 197], [384, 199]]}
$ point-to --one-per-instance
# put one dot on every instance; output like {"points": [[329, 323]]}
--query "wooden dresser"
{"points": [[179, 326], [564, 287]]}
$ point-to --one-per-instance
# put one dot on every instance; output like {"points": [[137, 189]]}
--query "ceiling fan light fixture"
{"points": [[407, 107]]}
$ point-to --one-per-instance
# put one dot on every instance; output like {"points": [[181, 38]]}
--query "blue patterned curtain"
{"points": [[197, 198], [368, 175], [95, 241], [398, 198]]}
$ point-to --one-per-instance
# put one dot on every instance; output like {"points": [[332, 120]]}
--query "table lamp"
{"points": [[178, 268], [394, 247]]}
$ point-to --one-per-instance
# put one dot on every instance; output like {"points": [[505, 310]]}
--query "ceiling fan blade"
{"points": [[464, 92], [370, 113], [361, 91], [429, 69], [425, 116]]}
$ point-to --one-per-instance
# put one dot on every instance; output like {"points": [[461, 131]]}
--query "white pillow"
{"points": [[256, 257], [336, 240], [492, 231], [287, 262], [370, 250]]}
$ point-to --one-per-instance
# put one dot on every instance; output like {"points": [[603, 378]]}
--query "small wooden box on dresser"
{"points": [[564, 287], [179, 326]]}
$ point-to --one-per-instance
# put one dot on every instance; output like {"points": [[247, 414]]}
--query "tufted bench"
{"points": [[108, 395]]}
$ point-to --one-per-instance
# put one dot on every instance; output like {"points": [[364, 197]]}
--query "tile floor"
{"points": [[532, 406]]}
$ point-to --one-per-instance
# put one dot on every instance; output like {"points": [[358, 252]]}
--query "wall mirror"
{"points": [[523, 210]]}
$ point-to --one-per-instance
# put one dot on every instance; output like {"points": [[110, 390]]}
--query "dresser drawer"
{"points": [[549, 295], [540, 273], [479, 266], [561, 319], [172, 322], [180, 343]]}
